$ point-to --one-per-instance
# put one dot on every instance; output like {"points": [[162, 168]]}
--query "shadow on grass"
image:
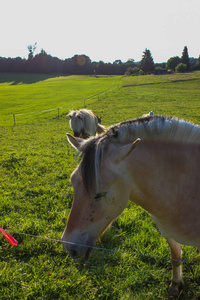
{"points": [[23, 78], [160, 83]]}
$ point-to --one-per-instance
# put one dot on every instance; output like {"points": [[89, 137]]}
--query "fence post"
{"points": [[14, 119]]}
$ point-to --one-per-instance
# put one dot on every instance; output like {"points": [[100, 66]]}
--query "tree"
{"points": [[31, 49], [197, 65], [185, 58], [80, 64], [130, 62], [173, 62], [117, 62], [147, 63], [100, 67]]}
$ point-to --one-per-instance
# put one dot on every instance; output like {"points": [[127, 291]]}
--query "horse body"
{"points": [[85, 123], [166, 183], [160, 173]]}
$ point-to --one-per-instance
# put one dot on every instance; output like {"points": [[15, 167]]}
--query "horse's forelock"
{"points": [[92, 155], [87, 165]]}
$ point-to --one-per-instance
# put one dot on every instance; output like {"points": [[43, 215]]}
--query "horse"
{"points": [[153, 161], [151, 113], [85, 123]]}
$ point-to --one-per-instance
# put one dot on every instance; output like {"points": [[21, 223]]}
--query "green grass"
{"points": [[36, 195], [39, 100]]}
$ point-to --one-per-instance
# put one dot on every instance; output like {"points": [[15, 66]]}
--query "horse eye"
{"points": [[98, 196]]}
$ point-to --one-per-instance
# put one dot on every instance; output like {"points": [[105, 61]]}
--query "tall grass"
{"points": [[36, 195]]}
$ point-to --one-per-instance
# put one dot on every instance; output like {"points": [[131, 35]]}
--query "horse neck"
{"points": [[159, 170]]}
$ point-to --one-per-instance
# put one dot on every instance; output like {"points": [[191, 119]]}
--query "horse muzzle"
{"points": [[79, 248]]}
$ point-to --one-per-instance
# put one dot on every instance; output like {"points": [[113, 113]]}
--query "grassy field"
{"points": [[42, 99], [36, 195]]}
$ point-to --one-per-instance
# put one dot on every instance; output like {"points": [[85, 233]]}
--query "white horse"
{"points": [[160, 172], [151, 113], [85, 123]]}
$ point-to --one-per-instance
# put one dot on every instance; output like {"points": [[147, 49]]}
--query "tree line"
{"points": [[184, 63], [44, 63]]}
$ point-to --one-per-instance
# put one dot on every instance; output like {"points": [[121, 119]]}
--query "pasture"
{"points": [[36, 195]]}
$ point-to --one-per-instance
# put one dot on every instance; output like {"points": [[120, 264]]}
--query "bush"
{"points": [[181, 68], [132, 71], [197, 66], [135, 70], [160, 70]]}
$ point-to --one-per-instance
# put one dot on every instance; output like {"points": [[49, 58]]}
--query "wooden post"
{"points": [[14, 119]]}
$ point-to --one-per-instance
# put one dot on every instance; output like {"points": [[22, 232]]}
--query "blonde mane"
{"points": [[159, 128]]}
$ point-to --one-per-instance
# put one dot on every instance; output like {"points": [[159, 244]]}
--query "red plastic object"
{"points": [[9, 238]]}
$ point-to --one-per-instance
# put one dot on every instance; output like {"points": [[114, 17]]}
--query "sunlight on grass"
{"points": [[36, 162]]}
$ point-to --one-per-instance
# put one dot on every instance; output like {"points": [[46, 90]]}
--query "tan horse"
{"points": [[85, 123], [161, 173]]}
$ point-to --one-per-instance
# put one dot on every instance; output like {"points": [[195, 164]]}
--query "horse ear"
{"points": [[124, 151], [69, 115], [75, 142], [80, 115]]}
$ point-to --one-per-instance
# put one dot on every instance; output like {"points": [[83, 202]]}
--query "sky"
{"points": [[105, 30]]}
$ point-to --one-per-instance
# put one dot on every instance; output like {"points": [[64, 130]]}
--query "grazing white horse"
{"points": [[160, 172], [85, 123]]}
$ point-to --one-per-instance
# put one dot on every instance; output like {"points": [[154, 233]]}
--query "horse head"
{"points": [[96, 202], [77, 123]]}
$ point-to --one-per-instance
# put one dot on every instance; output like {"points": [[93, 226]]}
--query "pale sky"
{"points": [[103, 30]]}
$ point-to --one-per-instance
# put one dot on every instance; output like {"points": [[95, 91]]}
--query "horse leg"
{"points": [[176, 256]]}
